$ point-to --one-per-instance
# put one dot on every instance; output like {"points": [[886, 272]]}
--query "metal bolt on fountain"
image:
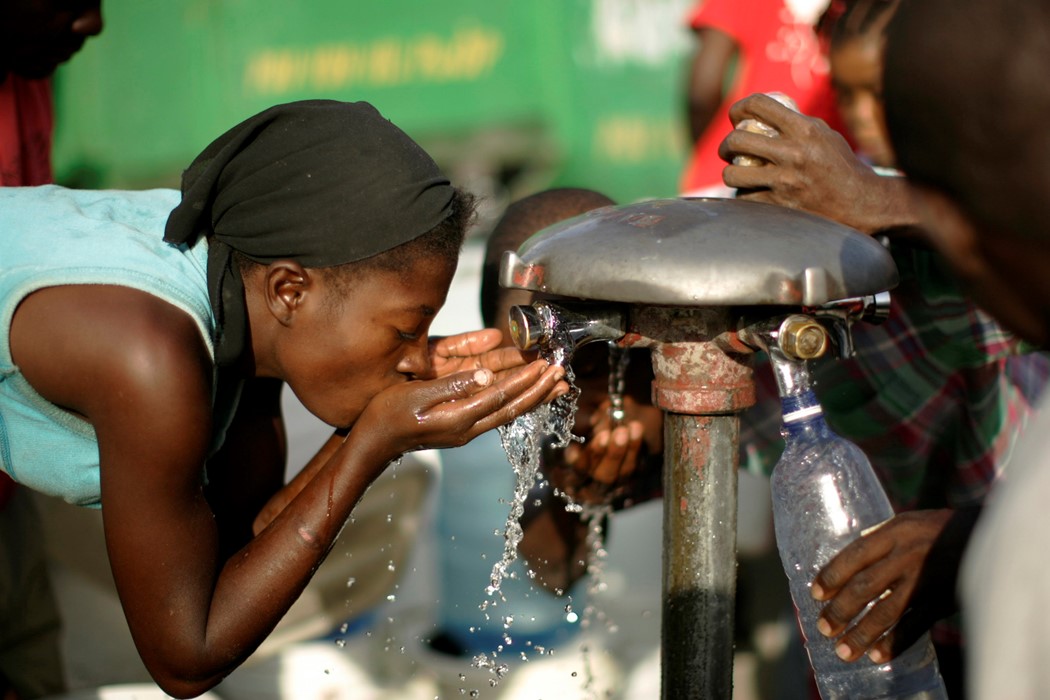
{"points": [[702, 283]]}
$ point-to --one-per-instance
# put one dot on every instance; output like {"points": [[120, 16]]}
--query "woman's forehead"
{"points": [[420, 288]]}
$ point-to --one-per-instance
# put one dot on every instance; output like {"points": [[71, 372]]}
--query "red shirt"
{"points": [[777, 53], [26, 122]]}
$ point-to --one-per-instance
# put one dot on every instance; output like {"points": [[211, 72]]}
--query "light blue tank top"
{"points": [[53, 236]]}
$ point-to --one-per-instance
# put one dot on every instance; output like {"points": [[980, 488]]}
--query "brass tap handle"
{"points": [[802, 338]]}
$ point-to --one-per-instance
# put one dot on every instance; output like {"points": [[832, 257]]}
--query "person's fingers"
{"points": [[763, 108], [770, 151], [876, 623], [739, 142], [474, 392], [855, 557], [608, 467], [875, 582], [757, 194], [573, 455], [453, 387], [620, 457], [906, 632], [634, 447], [505, 358], [516, 394], [469, 343]]}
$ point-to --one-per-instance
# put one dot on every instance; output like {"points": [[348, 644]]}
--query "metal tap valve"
{"points": [[843, 313], [802, 338], [795, 336], [805, 336], [567, 325]]}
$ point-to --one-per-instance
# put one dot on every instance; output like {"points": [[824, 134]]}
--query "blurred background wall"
{"points": [[510, 96]]}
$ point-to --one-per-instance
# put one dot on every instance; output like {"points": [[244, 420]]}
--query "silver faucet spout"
{"points": [[843, 313], [566, 324]]}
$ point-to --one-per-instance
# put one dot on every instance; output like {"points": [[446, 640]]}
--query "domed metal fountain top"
{"points": [[701, 252], [672, 275]]}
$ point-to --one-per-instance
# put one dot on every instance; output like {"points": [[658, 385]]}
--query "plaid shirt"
{"points": [[936, 396]]}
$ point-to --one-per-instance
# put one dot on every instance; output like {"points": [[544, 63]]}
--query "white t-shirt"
{"points": [[1005, 579]]}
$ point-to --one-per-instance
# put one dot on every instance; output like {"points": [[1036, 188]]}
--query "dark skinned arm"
{"points": [[706, 78], [137, 370], [915, 556], [811, 167]]}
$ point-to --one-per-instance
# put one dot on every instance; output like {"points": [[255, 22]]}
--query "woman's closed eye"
{"points": [[408, 336]]}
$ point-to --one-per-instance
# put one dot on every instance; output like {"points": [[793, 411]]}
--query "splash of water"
{"points": [[618, 362], [523, 440]]}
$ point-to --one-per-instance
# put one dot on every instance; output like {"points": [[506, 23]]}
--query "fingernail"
{"points": [[876, 656], [823, 627], [620, 438], [482, 377], [816, 591], [843, 651]]}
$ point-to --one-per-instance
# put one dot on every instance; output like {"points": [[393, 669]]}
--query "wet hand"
{"points": [[892, 566], [455, 408], [602, 469], [809, 167], [481, 349]]}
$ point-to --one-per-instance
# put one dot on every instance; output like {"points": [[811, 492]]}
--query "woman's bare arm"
{"points": [[136, 368]]}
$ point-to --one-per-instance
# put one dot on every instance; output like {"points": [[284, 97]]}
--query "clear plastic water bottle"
{"points": [[825, 494]]}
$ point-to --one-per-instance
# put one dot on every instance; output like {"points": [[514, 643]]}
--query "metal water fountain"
{"points": [[702, 283]]}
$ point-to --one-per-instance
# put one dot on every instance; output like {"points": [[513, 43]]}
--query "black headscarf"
{"points": [[319, 181]]}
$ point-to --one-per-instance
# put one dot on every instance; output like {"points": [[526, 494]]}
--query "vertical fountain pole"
{"points": [[682, 266], [701, 388]]}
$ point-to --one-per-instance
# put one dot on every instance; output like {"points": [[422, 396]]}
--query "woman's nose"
{"points": [[416, 360]]}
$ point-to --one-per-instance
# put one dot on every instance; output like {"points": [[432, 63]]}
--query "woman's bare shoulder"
{"points": [[76, 344]]}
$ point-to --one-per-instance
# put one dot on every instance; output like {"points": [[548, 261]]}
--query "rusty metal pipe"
{"points": [[699, 545], [701, 388]]}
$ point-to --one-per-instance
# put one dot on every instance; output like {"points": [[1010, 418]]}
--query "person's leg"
{"points": [[30, 661]]}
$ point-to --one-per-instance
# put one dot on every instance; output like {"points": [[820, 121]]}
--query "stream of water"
{"points": [[523, 440]]}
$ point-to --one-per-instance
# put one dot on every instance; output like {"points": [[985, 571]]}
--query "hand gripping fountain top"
{"points": [[701, 252]]}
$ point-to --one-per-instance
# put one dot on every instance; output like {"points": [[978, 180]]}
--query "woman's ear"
{"points": [[286, 287]]}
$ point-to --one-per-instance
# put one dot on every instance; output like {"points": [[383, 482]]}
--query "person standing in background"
{"points": [[966, 106], [937, 396], [36, 36], [743, 47]]}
